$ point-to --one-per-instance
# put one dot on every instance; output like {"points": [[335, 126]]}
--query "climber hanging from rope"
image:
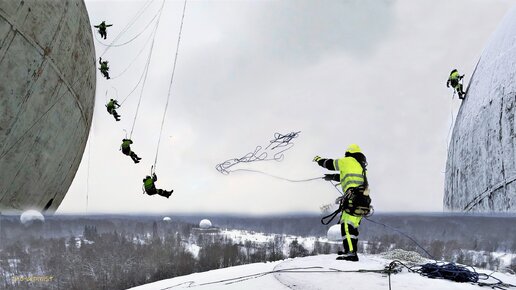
{"points": [[355, 202], [150, 188], [455, 80], [111, 106], [126, 149], [102, 29], [104, 68]]}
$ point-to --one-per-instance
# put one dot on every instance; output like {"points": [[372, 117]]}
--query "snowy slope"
{"points": [[315, 272]]}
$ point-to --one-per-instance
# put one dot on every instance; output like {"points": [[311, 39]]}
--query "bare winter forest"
{"points": [[118, 252]]}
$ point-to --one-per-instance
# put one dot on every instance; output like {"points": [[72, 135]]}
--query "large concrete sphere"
{"points": [[481, 165], [47, 94]]}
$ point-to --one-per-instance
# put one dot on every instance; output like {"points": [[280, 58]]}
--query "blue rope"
{"points": [[448, 271]]}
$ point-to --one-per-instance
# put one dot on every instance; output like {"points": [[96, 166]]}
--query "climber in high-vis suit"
{"points": [[355, 202], [455, 81]]}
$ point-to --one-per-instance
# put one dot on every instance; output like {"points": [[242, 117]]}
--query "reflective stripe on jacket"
{"points": [[350, 172]]}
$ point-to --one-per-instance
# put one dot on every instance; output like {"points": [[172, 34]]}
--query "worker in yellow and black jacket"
{"points": [[455, 81], [353, 179]]}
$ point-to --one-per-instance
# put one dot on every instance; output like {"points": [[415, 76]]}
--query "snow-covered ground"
{"points": [[314, 272]]}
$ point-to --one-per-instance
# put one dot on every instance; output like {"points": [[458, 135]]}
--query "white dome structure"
{"points": [[334, 233], [167, 219], [47, 95], [30, 216], [205, 224], [481, 165]]}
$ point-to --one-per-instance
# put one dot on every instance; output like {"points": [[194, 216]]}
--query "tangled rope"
{"points": [[280, 141], [454, 272]]}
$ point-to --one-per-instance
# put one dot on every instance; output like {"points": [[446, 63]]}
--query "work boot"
{"points": [[349, 257], [168, 193], [342, 253]]}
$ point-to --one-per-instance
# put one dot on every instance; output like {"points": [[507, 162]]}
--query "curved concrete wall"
{"points": [[481, 165], [47, 94]]}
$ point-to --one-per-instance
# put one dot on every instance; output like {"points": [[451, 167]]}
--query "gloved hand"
{"points": [[328, 177], [317, 158], [339, 199]]}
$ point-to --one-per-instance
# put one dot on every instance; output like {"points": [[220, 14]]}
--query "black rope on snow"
{"points": [[301, 270], [458, 273], [279, 141], [448, 271], [170, 85], [146, 70]]}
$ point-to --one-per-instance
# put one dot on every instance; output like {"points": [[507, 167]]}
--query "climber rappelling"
{"points": [[102, 29], [126, 149], [104, 68], [111, 106], [150, 188]]}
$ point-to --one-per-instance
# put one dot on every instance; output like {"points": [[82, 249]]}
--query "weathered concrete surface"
{"points": [[481, 165], [47, 94]]}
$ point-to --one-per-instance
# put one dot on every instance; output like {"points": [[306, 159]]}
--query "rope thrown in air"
{"points": [[279, 141], [283, 142]]}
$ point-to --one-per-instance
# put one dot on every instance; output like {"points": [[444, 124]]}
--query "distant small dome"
{"points": [[205, 224], [334, 233], [167, 219], [30, 216]]}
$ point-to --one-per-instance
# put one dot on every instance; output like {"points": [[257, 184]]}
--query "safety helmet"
{"points": [[454, 70], [353, 148]]}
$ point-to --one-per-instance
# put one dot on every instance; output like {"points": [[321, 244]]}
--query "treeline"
{"points": [[120, 260], [119, 253]]}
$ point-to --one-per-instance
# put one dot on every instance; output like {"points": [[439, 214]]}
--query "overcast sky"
{"points": [[367, 72]]}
